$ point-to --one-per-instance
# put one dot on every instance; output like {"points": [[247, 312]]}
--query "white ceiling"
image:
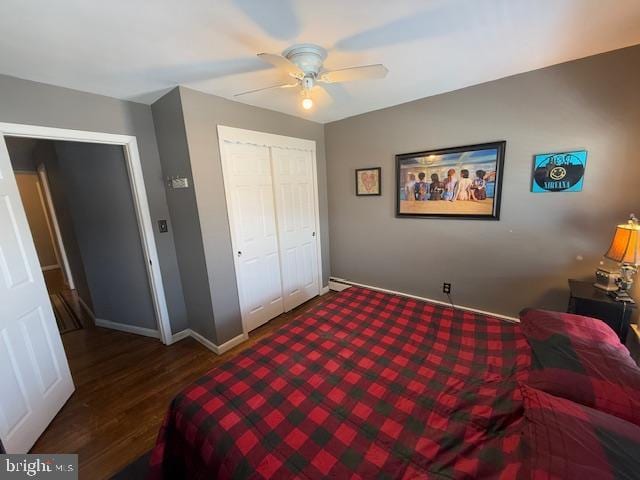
{"points": [[138, 49]]}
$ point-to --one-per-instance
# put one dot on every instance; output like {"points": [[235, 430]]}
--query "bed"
{"points": [[370, 385]]}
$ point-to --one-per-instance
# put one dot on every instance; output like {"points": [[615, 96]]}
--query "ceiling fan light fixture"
{"points": [[303, 63], [307, 103]]}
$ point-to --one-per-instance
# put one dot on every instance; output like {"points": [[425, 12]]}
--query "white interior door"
{"points": [[294, 189], [249, 190], [34, 372]]}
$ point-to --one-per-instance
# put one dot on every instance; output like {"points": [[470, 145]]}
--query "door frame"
{"points": [[136, 183], [240, 135], [54, 226]]}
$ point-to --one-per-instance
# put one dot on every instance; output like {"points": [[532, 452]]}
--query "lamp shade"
{"points": [[625, 247]]}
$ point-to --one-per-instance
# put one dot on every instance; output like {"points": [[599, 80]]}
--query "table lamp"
{"points": [[625, 250]]}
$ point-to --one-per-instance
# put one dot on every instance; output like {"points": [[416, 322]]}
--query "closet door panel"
{"points": [[294, 190], [248, 180]]}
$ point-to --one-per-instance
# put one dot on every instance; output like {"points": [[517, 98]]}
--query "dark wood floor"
{"points": [[124, 384]]}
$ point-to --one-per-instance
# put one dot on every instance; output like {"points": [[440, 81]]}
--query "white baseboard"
{"points": [[147, 332], [46, 268], [176, 337], [324, 290], [218, 349], [343, 284], [337, 286], [226, 346]]}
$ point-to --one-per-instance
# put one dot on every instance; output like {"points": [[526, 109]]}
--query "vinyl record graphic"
{"points": [[559, 172]]}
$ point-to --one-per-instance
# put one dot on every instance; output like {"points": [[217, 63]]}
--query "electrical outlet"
{"points": [[446, 288]]}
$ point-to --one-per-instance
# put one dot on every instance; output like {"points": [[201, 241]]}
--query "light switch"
{"points": [[162, 226]]}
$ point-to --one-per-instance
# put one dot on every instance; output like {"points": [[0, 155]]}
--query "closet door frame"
{"points": [[269, 140]]}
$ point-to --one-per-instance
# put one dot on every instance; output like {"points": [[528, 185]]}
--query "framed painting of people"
{"points": [[459, 182]]}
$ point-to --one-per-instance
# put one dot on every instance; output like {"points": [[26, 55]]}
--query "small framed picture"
{"points": [[368, 181]]}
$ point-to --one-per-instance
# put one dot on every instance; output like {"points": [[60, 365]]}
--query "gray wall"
{"points": [[21, 153], [96, 186], [27, 102], [202, 114], [174, 155], [541, 239]]}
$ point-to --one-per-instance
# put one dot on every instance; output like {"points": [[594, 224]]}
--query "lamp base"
{"points": [[627, 272]]}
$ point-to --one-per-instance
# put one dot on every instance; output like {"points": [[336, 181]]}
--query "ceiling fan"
{"points": [[303, 63]]}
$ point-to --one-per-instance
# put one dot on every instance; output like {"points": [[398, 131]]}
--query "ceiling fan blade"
{"points": [[321, 96], [365, 72], [282, 63], [280, 85]]}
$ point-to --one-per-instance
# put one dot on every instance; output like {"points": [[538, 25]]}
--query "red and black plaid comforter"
{"points": [[364, 385]]}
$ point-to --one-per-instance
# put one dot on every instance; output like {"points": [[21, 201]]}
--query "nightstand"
{"points": [[587, 300]]}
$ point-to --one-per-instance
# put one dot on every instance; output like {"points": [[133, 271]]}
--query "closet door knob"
{"points": [[313, 234], [239, 253]]}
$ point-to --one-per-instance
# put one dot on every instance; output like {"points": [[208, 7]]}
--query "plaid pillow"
{"points": [[541, 324], [582, 364], [562, 439]]}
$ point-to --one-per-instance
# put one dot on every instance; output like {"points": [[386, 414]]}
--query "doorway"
{"points": [[35, 371], [91, 202], [129, 147]]}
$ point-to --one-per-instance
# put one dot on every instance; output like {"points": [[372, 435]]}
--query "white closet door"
{"points": [[35, 376], [249, 189], [294, 192]]}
